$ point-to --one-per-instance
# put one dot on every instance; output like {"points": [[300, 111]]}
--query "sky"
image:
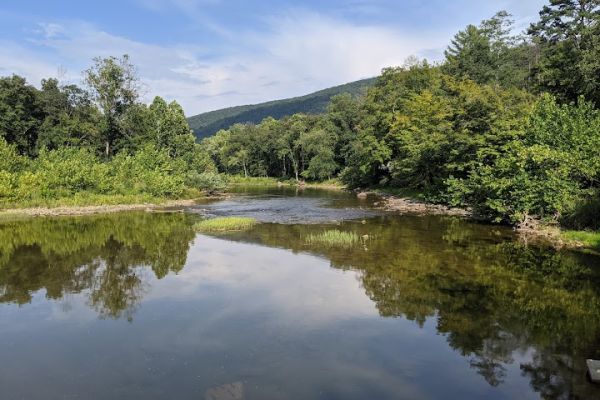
{"points": [[210, 54]]}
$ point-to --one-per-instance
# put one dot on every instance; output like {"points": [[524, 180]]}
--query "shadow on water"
{"points": [[497, 302]]}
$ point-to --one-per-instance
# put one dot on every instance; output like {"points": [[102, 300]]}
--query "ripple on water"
{"points": [[286, 210]]}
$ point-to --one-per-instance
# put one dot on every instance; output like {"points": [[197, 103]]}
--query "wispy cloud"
{"points": [[299, 53], [288, 51]]}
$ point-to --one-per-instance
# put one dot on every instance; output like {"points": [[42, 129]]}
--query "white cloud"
{"points": [[299, 53]]}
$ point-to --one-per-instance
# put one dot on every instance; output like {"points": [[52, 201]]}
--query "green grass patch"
{"points": [[275, 182], [225, 224], [252, 180], [333, 183], [333, 238], [587, 238]]}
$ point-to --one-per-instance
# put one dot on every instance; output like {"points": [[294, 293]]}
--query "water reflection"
{"points": [[103, 256], [497, 303], [491, 297]]}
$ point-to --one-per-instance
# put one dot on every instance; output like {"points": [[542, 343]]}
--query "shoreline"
{"points": [[94, 209], [408, 206], [530, 231]]}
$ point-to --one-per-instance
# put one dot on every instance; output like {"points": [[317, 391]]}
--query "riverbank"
{"points": [[331, 184], [93, 209], [530, 231], [411, 203]]}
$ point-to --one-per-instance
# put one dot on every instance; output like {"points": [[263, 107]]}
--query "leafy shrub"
{"points": [[209, 182], [7, 181], [585, 215]]}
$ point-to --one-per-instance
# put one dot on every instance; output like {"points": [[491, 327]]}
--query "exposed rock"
{"points": [[409, 206]]}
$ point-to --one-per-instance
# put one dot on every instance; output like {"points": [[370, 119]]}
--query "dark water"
{"points": [[139, 306]]}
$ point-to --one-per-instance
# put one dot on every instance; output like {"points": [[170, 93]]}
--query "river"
{"points": [[140, 306]]}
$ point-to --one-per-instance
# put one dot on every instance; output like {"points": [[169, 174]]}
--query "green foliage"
{"points": [[67, 172], [545, 173], [466, 132], [568, 38], [587, 238], [585, 215], [489, 54], [148, 152], [333, 238], [20, 114], [114, 87], [225, 224], [209, 182]]}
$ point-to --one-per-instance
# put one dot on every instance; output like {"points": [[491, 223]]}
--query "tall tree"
{"points": [[568, 34], [20, 113], [70, 118], [169, 128], [469, 55], [115, 87], [490, 53]]}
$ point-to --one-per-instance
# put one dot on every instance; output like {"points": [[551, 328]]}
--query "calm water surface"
{"points": [[139, 306]]}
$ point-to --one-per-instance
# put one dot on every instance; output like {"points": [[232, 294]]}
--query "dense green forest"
{"points": [[95, 144], [209, 123], [508, 125]]}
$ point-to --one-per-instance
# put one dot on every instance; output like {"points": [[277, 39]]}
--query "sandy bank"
{"points": [[88, 210]]}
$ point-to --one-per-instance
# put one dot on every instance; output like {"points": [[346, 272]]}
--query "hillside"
{"points": [[208, 123]]}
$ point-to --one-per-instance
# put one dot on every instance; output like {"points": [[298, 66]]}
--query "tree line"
{"points": [[507, 124], [97, 140]]}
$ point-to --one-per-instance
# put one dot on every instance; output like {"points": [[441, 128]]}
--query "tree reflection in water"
{"points": [[492, 297], [495, 300], [102, 256]]}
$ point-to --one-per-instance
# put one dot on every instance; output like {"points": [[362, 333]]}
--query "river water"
{"points": [[139, 306]]}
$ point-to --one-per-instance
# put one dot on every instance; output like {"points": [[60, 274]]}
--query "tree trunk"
{"points": [[107, 149]]}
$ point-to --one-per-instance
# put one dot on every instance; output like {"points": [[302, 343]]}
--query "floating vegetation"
{"points": [[225, 224], [334, 238]]}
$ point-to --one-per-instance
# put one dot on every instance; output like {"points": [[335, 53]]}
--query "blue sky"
{"points": [[209, 54]]}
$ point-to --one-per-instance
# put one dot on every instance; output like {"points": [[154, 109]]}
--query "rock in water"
{"points": [[229, 391], [594, 370]]}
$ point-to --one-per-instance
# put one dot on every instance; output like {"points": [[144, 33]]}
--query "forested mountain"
{"points": [[207, 124]]}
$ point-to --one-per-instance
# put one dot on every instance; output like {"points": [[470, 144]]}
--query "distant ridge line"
{"points": [[207, 124]]}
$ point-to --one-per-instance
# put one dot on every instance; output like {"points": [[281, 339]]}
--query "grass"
{"points": [[252, 180], [225, 224], [333, 183], [269, 181], [589, 239], [333, 238]]}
